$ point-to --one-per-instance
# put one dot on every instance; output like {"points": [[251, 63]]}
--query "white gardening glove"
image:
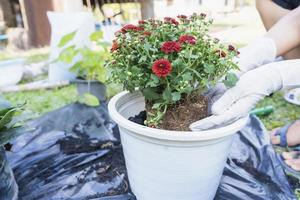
{"points": [[253, 86], [259, 52]]}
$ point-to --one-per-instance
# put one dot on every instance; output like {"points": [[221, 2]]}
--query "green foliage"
{"points": [[230, 80], [284, 113], [10, 123], [39, 102], [89, 100], [66, 39], [196, 64], [87, 63]]}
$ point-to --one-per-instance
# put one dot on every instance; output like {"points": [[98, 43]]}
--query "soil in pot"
{"points": [[180, 115]]}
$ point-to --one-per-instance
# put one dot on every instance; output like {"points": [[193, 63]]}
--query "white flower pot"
{"points": [[170, 165], [11, 72]]}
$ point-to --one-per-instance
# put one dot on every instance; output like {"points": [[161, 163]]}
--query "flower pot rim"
{"points": [[172, 135], [77, 80]]}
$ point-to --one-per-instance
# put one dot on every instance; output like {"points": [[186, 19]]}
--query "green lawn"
{"points": [[43, 101]]}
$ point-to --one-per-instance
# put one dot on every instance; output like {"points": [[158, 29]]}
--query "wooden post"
{"points": [[147, 9], [8, 13], [37, 21]]}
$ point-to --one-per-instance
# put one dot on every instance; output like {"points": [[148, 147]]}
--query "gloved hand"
{"points": [[253, 86], [259, 52]]}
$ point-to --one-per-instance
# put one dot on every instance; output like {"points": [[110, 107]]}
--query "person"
{"points": [[260, 75]]}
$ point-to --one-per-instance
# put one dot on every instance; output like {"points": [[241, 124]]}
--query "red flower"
{"points": [[114, 46], [220, 53], [130, 27], [142, 22], [231, 48], [147, 33], [187, 39], [170, 47], [203, 15], [170, 20], [182, 16], [161, 67]]}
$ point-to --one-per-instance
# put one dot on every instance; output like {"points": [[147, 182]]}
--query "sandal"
{"points": [[286, 167], [283, 138]]}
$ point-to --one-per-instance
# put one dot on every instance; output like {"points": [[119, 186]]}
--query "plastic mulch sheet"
{"points": [[75, 153]]}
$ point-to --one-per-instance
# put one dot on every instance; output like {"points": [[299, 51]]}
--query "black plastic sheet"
{"points": [[75, 153]]}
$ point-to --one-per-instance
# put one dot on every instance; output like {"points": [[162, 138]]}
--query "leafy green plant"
{"points": [[170, 60], [10, 122], [87, 63]]}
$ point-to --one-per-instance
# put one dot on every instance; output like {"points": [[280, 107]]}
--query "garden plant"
{"points": [[88, 64], [168, 67], [172, 62]]}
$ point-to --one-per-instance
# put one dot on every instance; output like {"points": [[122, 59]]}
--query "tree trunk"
{"points": [[147, 9], [8, 15]]}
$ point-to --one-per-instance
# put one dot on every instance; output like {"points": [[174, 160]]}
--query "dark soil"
{"points": [[179, 116]]}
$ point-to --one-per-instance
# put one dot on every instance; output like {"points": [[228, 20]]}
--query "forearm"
{"points": [[286, 32], [269, 12]]}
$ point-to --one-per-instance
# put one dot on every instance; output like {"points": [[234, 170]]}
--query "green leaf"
{"points": [[66, 39], [209, 68], [167, 95], [96, 36], [89, 99], [7, 117], [176, 96], [11, 134], [68, 54], [142, 59], [153, 82], [150, 94], [194, 56], [230, 80], [156, 105], [147, 46], [187, 76]]}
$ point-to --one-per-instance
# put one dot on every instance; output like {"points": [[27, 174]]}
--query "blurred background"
{"points": [[27, 42]]}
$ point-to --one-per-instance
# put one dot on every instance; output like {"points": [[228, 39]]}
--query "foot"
{"points": [[293, 135], [292, 159]]}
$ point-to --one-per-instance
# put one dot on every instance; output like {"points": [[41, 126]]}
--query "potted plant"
{"points": [[10, 128], [88, 65], [165, 66]]}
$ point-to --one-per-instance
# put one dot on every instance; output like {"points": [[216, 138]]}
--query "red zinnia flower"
{"points": [[170, 47], [231, 48], [187, 39], [182, 16], [171, 20], [161, 67], [130, 27], [114, 46], [203, 15], [220, 53], [142, 22]]}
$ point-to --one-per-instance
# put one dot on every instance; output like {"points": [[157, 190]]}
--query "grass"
{"points": [[284, 112], [43, 101], [31, 56]]}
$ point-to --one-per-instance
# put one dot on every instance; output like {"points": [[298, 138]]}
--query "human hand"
{"points": [[253, 86]]}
